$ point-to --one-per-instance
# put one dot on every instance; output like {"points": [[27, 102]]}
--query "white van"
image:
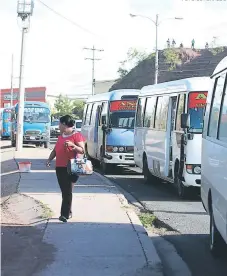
{"points": [[168, 131], [214, 159]]}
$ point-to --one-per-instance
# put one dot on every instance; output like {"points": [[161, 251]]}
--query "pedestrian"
{"points": [[68, 146], [181, 45], [206, 46], [193, 43], [173, 43], [168, 43]]}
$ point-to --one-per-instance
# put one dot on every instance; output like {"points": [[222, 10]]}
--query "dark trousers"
{"points": [[65, 184]]}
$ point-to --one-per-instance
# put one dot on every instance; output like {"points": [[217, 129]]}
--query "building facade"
{"points": [[31, 94]]}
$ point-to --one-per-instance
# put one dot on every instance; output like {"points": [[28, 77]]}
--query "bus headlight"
{"points": [[121, 149], [197, 170], [193, 169], [115, 149]]}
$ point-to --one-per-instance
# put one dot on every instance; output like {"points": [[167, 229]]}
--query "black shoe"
{"points": [[63, 219]]}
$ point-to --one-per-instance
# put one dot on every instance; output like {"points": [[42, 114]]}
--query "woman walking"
{"points": [[69, 145]]}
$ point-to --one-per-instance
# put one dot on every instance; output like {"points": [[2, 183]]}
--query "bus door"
{"points": [[6, 124], [102, 119], [172, 114]]}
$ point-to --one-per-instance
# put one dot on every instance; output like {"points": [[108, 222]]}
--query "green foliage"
{"points": [[134, 57], [78, 109], [216, 50], [122, 72], [171, 57], [64, 105]]}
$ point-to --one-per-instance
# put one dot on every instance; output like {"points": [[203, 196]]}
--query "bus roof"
{"points": [[113, 95], [34, 104], [189, 84], [222, 66]]}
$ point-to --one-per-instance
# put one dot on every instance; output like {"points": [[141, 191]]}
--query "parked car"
{"points": [[54, 129], [78, 124]]}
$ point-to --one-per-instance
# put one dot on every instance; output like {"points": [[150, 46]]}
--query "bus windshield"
{"points": [[196, 110], [36, 115], [122, 119], [55, 123]]}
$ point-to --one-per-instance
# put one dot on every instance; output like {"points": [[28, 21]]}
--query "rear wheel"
{"points": [[216, 241]]}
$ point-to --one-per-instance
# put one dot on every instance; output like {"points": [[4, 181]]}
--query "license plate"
{"points": [[32, 138]]}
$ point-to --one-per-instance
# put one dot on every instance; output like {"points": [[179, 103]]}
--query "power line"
{"points": [[93, 64], [67, 19]]}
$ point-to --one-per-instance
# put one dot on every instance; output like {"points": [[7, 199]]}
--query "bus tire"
{"points": [[106, 168], [148, 177], [13, 143], [216, 240], [46, 145], [182, 190]]}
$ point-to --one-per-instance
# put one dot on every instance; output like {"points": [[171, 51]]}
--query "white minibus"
{"points": [[108, 127], [168, 131], [214, 159]]}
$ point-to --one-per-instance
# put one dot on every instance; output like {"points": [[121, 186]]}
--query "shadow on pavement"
{"points": [[194, 250]]}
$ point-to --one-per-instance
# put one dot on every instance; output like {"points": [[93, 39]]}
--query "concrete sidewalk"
{"points": [[104, 237]]}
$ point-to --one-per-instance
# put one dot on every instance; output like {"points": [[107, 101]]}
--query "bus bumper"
{"points": [[35, 139], [120, 158], [192, 180]]}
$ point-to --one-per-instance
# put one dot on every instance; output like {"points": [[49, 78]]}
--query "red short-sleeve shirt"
{"points": [[63, 154]]}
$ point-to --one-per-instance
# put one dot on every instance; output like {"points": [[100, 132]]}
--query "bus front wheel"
{"points": [[182, 190], [46, 145]]}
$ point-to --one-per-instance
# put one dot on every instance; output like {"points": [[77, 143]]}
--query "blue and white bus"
{"points": [[37, 121], [108, 127]]}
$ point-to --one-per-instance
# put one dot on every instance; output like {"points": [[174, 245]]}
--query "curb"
{"points": [[152, 258]]}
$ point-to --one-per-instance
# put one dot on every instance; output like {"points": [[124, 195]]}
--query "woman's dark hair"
{"points": [[67, 120]]}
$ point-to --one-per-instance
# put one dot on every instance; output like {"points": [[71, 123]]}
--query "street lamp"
{"points": [[157, 23], [24, 11]]}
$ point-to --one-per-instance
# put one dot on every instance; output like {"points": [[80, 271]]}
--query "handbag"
{"points": [[79, 166]]}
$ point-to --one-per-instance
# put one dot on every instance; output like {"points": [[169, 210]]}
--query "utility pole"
{"points": [[24, 11], [93, 64], [156, 50], [11, 96]]}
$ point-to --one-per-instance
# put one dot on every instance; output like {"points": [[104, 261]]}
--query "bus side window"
{"points": [[85, 113], [103, 116], [140, 112], [215, 107], [158, 115], [223, 116], [180, 110], [88, 114], [93, 114], [150, 112]]}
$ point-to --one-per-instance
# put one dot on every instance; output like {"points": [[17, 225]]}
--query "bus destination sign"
{"points": [[197, 99], [123, 105]]}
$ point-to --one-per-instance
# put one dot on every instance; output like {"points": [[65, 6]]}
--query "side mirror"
{"points": [[185, 120]]}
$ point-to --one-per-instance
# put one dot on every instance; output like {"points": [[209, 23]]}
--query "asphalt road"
{"points": [[187, 221]]}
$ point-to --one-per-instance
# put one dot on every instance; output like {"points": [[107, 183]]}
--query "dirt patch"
{"points": [[23, 250]]}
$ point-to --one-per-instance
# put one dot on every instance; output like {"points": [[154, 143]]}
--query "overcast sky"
{"points": [[54, 54]]}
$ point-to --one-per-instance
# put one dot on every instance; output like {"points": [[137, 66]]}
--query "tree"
{"points": [[134, 57], [78, 109], [63, 105]]}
